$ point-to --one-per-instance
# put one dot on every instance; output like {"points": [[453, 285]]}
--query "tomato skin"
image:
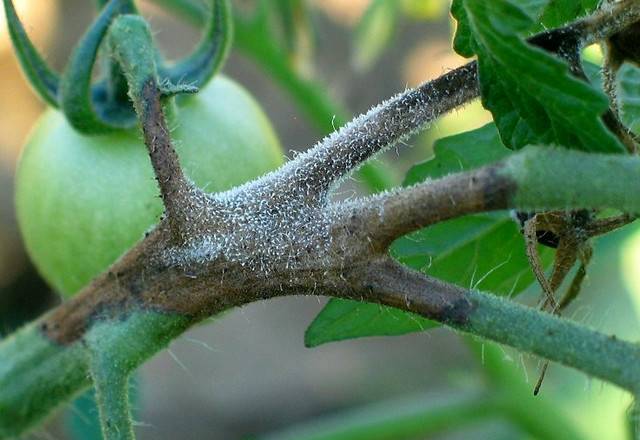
{"points": [[82, 201]]}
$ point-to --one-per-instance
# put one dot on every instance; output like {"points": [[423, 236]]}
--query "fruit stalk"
{"points": [[131, 44]]}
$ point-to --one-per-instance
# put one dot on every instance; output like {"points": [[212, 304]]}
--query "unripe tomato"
{"points": [[82, 201]]}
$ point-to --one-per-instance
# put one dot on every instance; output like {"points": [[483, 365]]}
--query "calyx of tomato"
{"points": [[105, 106]]}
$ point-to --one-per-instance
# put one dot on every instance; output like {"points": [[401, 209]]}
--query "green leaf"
{"points": [[561, 12], [532, 95], [481, 251], [464, 42], [460, 152], [543, 13], [374, 32], [345, 319], [490, 246], [629, 96]]}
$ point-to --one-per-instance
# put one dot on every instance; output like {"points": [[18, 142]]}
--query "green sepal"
{"points": [[45, 81], [196, 69], [86, 109]]}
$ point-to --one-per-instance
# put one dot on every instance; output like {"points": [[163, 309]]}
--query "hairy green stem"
{"points": [[38, 375], [112, 398], [563, 341], [110, 367], [556, 178], [535, 179]]}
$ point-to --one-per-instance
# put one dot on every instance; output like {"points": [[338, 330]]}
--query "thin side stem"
{"points": [[131, 42], [534, 179], [112, 398], [609, 21], [382, 127]]}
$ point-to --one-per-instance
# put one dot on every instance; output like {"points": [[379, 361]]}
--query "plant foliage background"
{"points": [[248, 372]]}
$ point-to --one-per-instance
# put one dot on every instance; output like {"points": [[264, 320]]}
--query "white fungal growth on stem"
{"points": [[285, 219]]}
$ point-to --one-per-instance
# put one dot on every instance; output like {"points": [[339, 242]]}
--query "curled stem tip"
{"points": [[44, 80], [197, 68], [131, 45]]}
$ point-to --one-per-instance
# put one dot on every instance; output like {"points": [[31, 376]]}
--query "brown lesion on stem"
{"points": [[394, 285], [349, 267], [353, 263], [176, 191], [361, 231], [382, 218]]}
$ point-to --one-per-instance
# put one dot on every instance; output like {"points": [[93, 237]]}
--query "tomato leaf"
{"points": [[464, 41], [344, 319], [532, 95], [481, 251], [561, 12], [544, 13], [629, 96]]}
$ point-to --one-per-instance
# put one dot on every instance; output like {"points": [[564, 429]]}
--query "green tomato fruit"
{"points": [[82, 201]]}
